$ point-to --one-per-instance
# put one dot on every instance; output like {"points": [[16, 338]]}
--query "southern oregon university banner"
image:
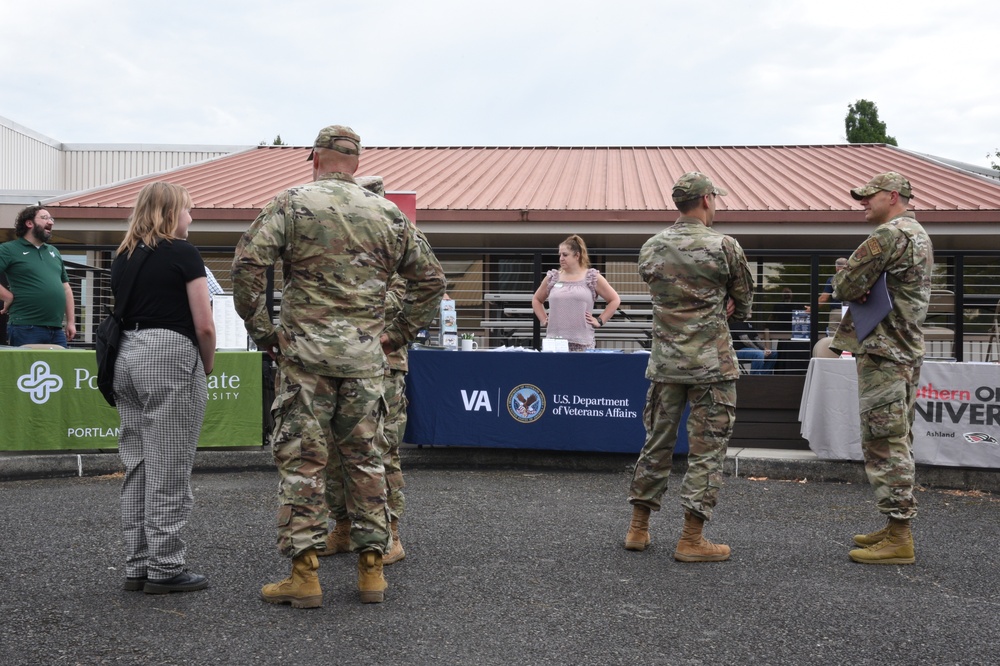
{"points": [[51, 402], [956, 420]]}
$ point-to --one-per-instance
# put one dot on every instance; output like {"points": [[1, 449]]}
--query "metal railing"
{"points": [[492, 290]]}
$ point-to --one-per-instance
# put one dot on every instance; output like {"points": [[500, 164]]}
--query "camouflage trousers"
{"points": [[887, 392], [393, 427], [327, 429], [709, 427]]}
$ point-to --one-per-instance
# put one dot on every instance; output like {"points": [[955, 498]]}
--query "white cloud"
{"points": [[452, 72]]}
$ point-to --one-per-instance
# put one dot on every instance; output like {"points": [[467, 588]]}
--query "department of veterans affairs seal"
{"points": [[526, 403]]}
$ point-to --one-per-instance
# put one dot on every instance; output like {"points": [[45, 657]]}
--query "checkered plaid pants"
{"points": [[161, 392]]}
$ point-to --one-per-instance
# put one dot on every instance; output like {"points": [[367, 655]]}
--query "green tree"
{"points": [[990, 157], [863, 125], [277, 142]]}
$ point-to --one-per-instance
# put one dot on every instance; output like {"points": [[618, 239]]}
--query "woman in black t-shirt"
{"points": [[167, 348]]}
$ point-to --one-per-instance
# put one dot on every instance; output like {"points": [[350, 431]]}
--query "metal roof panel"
{"points": [[552, 179]]}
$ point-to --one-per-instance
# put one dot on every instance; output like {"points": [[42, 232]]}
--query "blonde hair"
{"points": [[576, 244], [155, 215]]}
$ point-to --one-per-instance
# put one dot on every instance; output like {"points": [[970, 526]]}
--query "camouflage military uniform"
{"points": [[889, 359], [691, 270], [339, 245], [393, 425]]}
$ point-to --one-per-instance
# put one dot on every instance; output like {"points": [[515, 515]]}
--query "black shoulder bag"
{"points": [[110, 330]]}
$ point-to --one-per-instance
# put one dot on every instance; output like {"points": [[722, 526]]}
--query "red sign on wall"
{"points": [[406, 201]]}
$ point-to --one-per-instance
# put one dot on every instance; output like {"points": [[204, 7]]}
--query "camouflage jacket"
{"points": [[339, 245], [692, 271], [902, 250], [399, 359]]}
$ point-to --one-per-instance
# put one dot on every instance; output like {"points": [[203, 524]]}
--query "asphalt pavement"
{"points": [[512, 559]]}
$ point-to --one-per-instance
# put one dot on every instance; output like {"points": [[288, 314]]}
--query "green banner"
{"points": [[51, 402]]}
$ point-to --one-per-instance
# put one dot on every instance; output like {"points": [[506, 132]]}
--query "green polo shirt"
{"points": [[35, 276]]}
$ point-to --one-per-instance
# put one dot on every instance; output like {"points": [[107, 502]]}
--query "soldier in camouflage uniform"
{"points": [[393, 427], [338, 245], [696, 277], [390, 437], [889, 358]]}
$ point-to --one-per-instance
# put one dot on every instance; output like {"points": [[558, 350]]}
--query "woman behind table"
{"points": [[167, 348], [571, 291]]}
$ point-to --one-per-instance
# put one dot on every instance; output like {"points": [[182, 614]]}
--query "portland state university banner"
{"points": [[51, 402]]}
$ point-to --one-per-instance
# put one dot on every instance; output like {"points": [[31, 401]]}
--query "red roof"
{"points": [[765, 183]]}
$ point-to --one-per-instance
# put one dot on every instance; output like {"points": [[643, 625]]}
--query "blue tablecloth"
{"points": [[530, 400]]}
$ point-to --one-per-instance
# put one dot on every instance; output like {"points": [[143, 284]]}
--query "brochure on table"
{"points": [[449, 325], [230, 333]]}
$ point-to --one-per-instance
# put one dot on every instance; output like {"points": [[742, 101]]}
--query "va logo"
{"points": [[526, 403], [476, 400], [979, 438], [39, 383]]}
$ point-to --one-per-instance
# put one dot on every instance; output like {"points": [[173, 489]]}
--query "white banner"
{"points": [[957, 421]]}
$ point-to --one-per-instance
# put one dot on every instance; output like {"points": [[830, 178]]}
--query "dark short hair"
{"points": [[689, 205], [25, 216]]}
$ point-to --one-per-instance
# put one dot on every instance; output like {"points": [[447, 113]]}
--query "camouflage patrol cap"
{"points": [[328, 136], [890, 181], [694, 184], [372, 184]]}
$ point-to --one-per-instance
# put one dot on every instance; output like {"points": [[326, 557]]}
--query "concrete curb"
{"points": [[62, 465], [740, 462]]}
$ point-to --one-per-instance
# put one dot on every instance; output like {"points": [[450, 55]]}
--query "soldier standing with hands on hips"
{"points": [[393, 427], [339, 245]]}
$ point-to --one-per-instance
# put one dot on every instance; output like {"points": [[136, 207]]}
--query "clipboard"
{"points": [[867, 315]]}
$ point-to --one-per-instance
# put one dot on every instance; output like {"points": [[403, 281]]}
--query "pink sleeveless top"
{"points": [[568, 303]]}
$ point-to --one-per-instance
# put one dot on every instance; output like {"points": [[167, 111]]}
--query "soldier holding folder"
{"points": [[889, 356]]}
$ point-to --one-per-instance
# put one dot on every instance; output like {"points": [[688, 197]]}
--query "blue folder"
{"points": [[867, 315]]}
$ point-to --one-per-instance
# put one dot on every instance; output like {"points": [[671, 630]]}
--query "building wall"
{"points": [[28, 161], [88, 166], [33, 164], [34, 167]]}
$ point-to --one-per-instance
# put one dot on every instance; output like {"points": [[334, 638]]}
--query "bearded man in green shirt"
{"points": [[39, 302]]}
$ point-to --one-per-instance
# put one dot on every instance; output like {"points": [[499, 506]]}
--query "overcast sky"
{"points": [[513, 73]]}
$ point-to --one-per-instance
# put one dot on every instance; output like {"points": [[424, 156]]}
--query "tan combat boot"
{"points": [[339, 540], [396, 553], [895, 548], [693, 547], [371, 582], [638, 529], [872, 538], [301, 589]]}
